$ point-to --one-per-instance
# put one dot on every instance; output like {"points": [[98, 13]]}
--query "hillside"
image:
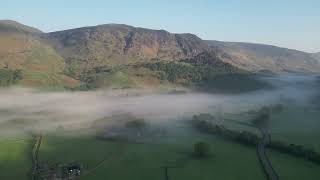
{"points": [[38, 63], [13, 26], [111, 44], [206, 71], [256, 57]]}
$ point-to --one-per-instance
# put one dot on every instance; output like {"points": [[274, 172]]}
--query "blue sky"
{"points": [[287, 23]]}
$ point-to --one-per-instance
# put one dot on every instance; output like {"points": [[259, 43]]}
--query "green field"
{"points": [[292, 168], [15, 159], [146, 160], [297, 124]]}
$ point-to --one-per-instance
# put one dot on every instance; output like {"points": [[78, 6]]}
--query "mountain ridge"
{"points": [[9, 25], [83, 49], [128, 36]]}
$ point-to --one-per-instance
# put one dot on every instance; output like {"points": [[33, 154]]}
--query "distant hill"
{"points": [[257, 57]]}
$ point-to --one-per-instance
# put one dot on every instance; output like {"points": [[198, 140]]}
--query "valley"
{"points": [[138, 144], [115, 101]]}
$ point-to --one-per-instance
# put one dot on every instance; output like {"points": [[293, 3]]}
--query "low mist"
{"points": [[29, 109]]}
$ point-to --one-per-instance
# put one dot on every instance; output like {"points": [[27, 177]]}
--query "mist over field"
{"points": [[103, 96], [30, 109]]}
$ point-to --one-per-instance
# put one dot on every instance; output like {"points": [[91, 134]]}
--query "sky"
{"points": [[287, 23]]}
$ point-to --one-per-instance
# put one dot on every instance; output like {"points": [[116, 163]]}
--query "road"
{"points": [[264, 160], [35, 155]]}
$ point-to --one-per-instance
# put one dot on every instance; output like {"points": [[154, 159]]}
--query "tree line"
{"points": [[204, 124]]}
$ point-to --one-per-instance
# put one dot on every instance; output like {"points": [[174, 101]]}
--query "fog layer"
{"points": [[35, 110]]}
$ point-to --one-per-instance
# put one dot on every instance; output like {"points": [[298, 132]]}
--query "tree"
{"points": [[201, 149]]}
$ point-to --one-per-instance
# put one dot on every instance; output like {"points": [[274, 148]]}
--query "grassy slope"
{"points": [[41, 66], [129, 78]]}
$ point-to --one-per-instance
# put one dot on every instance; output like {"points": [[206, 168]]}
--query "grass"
{"points": [[141, 161], [138, 161], [15, 159], [43, 80], [41, 66], [228, 160], [44, 59], [297, 125], [291, 168], [117, 80], [128, 77]]}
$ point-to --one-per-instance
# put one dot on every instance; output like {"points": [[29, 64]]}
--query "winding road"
{"points": [[264, 160]]}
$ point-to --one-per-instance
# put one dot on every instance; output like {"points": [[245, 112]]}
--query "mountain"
{"points": [[121, 44], [22, 49], [103, 54], [114, 44], [260, 57]]}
